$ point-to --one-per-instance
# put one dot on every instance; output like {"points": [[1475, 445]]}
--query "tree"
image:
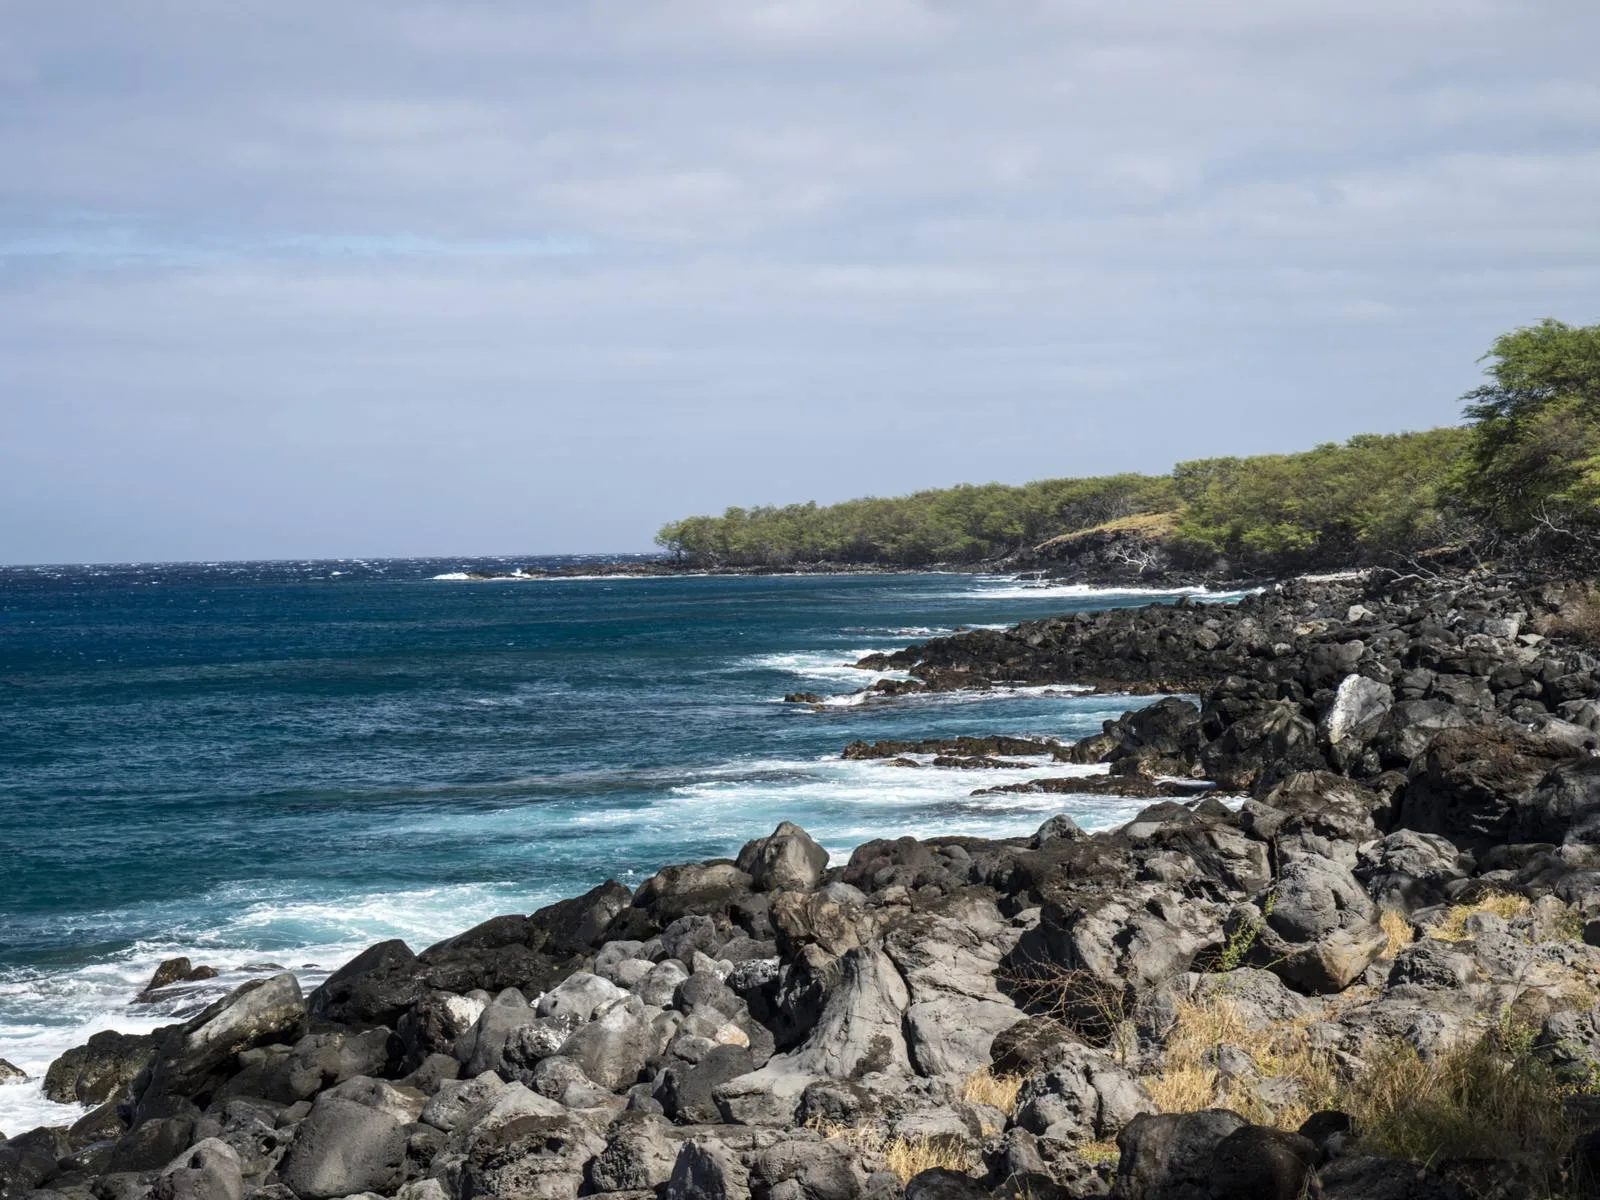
{"points": [[1535, 452]]}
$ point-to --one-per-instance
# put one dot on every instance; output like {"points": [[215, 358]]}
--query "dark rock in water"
{"points": [[373, 988], [10, 1073], [343, 1148], [957, 747], [1168, 1157], [803, 698], [93, 1073], [1258, 1163], [170, 972], [1135, 786]]}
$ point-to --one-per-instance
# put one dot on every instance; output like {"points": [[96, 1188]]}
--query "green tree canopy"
{"points": [[1535, 450]]}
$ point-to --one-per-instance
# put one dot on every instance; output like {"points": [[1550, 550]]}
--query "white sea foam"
{"points": [[830, 665], [1011, 587]]}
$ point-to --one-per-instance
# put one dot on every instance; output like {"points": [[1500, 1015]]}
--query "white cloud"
{"points": [[817, 237]]}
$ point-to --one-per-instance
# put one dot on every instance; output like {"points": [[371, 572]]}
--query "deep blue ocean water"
{"points": [[283, 762]]}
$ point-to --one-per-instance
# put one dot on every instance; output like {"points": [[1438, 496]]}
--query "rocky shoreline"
{"points": [[1348, 955]]}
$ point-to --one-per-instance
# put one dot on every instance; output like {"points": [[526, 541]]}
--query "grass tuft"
{"points": [[906, 1157], [1452, 927], [1189, 1082], [997, 1091], [1399, 931], [1491, 1098]]}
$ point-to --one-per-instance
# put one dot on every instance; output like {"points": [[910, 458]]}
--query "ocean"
{"points": [[265, 765]]}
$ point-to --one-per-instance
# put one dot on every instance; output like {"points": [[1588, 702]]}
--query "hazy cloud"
{"points": [[401, 277]]}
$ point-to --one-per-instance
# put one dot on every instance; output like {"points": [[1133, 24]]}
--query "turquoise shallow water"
{"points": [[251, 762]]}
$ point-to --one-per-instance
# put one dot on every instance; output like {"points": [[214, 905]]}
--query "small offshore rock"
{"points": [[173, 971]]}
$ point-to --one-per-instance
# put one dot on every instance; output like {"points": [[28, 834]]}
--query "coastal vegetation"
{"points": [[1523, 469]]}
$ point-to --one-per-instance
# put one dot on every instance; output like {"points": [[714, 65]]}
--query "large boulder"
{"points": [[1086, 1095], [613, 1048], [1095, 950], [788, 860], [510, 1038], [1259, 1163], [502, 952], [1322, 931], [343, 1148], [95, 1072], [1472, 783], [707, 1171], [1313, 813], [956, 1009], [373, 988], [861, 1029], [208, 1170], [191, 1055], [1269, 741], [531, 1157], [703, 888], [1408, 870], [639, 1155], [1169, 1157]]}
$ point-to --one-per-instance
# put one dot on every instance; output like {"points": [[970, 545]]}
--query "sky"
{"points": [[384, 277]]}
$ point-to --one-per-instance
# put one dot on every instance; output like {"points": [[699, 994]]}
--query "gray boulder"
{"points": [[209, 1170], [1085, 1096], [788, 860], [342, 1148], [861, 1027], [259, 1012], [613, 1048], [532, 1158], [639, 1156], [577, 997], [1408, 870], [707, 1171], [1169, 1157]]}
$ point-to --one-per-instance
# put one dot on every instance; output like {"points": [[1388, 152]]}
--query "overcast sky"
{"points": [[283, 279]]}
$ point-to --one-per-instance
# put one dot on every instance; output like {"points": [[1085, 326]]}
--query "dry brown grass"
{"points": [[1399, 931], [1096, 1153], [1150, 525], [907, 1157], [1453, 927], [997, 1091], [1577, 619], [904, 1156], [1491, 1098], [1189, 1081]]}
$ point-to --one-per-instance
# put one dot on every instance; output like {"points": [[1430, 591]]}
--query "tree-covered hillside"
{"points": [[1526, 465]]}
